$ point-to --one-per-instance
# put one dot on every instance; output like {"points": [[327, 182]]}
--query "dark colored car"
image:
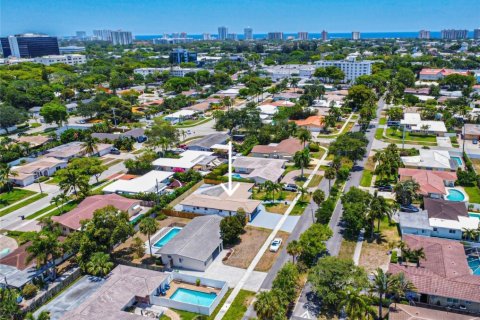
{"points": [[409, 208], [115, 151], [141, 139], [386, 188]]}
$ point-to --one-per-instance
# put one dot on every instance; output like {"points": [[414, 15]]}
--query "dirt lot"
{"points": [[269, 258], [250, 242], [123, 251], [374, 253]]}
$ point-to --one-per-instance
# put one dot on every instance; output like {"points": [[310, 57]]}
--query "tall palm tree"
{"points": [[302, 192], [302, 159], [379, 208], [45, 248], [304, 136], [470, 234], [275, 187], [268, 187], [72, 179], [406, 191], [400, 287], [294, 248], [5, 174], [90, 146], [330, 174], [99, 264], [382, 283], [356, 305], [268, 305], [148, 227], [417, 255]]}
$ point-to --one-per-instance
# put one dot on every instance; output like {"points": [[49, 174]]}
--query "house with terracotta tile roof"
{"points": [[408, 312], [312, 123], [285, 149], [438, 74], [71, 221], [443, 278], [432, 183]]}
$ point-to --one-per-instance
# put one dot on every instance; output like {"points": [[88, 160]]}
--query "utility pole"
{"points": [[463, 137], [114, 118]]}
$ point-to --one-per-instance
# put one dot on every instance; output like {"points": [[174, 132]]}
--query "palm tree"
{"points": [[302, 159], [400, 287], [330, 174], [304, 136], [276, 187], [267, 186], [99, 264], [379, 208], [302, 192], [5, 174], [470, 234], [406, 191], [294, 82], [417, 255], [148, 226], [72, 179], [89, 146], [294, 248], [268, 305], [44, 247], [381, 285], [356, 305]]}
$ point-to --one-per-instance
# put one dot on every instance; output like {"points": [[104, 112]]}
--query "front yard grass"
{"points": [[347, 249], [22, 204], [244, 251], [379, 134], [239, 305], [192, 123], [473, 194], [9, 198], [367, 177], [56, 211], [269, 258], [476, 165], [300, 206], [315, 181], [396, 134], [382, 121], [283, 195], [375, 252]]}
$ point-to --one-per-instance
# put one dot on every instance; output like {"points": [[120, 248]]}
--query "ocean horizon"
{"points": [[318, 35]]}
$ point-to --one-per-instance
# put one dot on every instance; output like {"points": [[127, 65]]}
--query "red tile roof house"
{"points": [[438, 74], [284, 150], [443, 278], [432, 183], [71, 221]]}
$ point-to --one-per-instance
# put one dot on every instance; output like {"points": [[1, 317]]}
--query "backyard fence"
{"points": [[180, 214], [53, 289], [139, 265]]}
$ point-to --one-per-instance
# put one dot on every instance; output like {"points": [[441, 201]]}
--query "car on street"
{"points": [[275, 245], [115, 151], [290, 187], [385, 188], [410, 208], [81, 121], [475, 141]]}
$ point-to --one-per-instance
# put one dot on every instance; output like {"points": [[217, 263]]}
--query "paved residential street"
{"points": [[306, 308]]}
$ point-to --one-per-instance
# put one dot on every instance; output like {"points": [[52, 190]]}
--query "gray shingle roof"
{"points": [[210, 140], [197, 240]]}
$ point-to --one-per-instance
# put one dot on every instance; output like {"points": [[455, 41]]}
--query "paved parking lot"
{"points": [[269, 221], [71, 297]]}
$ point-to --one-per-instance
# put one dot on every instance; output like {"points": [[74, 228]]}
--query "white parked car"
{"points": [[275, 245]]}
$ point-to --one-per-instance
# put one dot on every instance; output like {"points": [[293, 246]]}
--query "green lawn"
{"points": [[300, 206], [239, 305], [367, 177], [185, 315], [53, 180], [397, 134], [192, 123], [318, 154], [315, 181], [66, 207], [382, 121], [22, 204], [9, 198], [473, 194], [379, 134]]}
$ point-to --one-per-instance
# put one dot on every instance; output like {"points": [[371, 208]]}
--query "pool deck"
{"points": [[174, 285]]}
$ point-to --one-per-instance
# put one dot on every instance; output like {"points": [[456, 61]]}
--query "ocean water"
{"points": [[333, 35]]}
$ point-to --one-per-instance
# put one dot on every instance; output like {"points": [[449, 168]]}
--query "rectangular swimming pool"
{"points": [[167, 237], [458, 160], [194, 297]]}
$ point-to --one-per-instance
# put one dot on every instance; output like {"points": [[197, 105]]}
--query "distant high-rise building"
{"points": [[81, 34], [352, 68], [104, 35], [29, 45], [302, 35], [324, 35], [207, 36], [453, 34], [180, 55], [248, 33], [183, 35], [232, 36], [355, 35], [275, 36], [476, 33], [222, 33], [424, 34], [121, 38]]}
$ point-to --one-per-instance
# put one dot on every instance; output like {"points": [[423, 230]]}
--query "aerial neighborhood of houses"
{"points": [[150, 180]]}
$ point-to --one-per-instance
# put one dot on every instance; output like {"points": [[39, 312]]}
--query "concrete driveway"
{"points": [[232, 275], [444, 142], [72, 297], [269, 220]]}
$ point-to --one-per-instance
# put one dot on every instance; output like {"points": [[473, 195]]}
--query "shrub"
{"points": [[325, 211], [394, 257], [313, 147], [29, 291]]}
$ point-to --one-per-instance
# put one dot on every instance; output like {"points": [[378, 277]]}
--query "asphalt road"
{"points": [[306, 307]]}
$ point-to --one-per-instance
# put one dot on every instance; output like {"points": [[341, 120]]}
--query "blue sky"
{"points": [[142, 17]]}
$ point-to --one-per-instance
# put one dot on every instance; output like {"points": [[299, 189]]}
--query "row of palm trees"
{"points": [[271, 188]]}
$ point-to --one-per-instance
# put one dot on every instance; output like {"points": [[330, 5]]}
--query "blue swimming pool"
{"points": [[473, 259], [474, 214], [236, 176], [167, 237], [194, 297], [455, 195], [458, 160]]}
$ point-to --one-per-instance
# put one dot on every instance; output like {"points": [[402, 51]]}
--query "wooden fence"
{"points": [[139, 265], [180, 214]]}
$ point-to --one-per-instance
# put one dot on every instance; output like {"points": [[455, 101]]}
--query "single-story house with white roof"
{"points": [[75, 149], [151, 182], [197, 160], [179, 116], [259, 169], [431, 160], [43, 167], [414, 123]]}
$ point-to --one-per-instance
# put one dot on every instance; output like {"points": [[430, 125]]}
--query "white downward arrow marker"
{"points": [[229, 189]]}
